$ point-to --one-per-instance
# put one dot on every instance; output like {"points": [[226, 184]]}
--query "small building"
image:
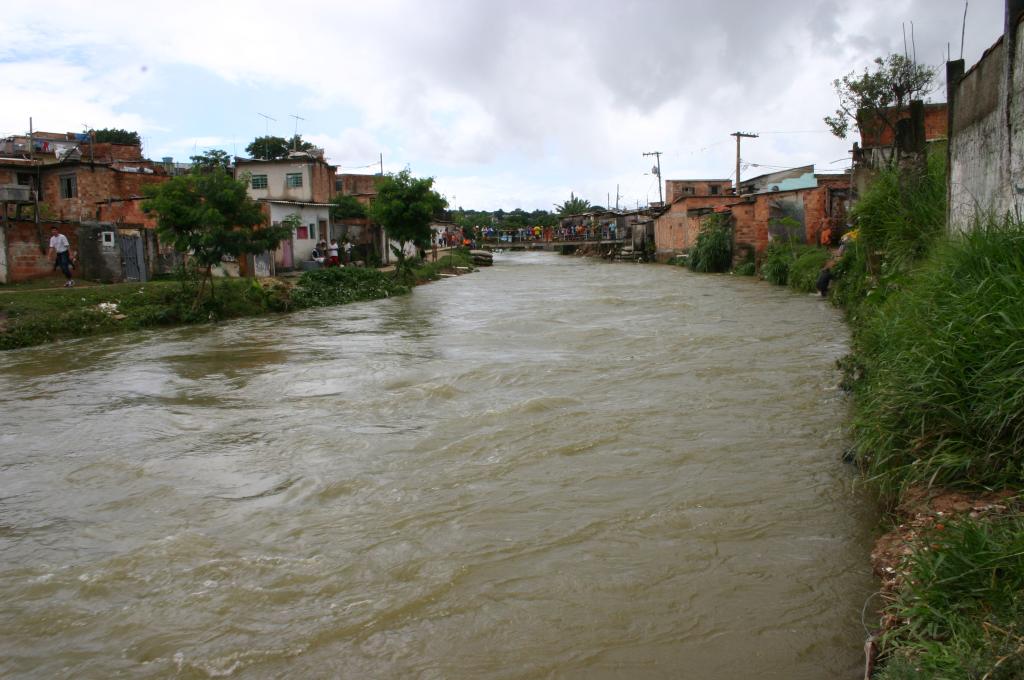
{"points": [[681, 188], [796, 203], [302, 185]]}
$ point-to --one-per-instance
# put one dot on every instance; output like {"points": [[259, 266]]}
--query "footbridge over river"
{"points": [[568, 246]]}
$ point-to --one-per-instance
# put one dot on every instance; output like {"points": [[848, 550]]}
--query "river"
{"points": [[551, 468]]}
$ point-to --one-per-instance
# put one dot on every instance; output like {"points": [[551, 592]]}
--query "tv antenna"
{"points": [[266, 135], [295, 139]]}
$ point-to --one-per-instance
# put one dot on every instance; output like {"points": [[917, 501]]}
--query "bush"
{"points": [[942, 397], [803, 272], [341, 285], [713, 250], [777, 259], [745, 269]]}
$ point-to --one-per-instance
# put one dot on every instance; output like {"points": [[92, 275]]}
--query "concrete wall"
{"points": [[311, 216], [317, 180], [986, 167]]}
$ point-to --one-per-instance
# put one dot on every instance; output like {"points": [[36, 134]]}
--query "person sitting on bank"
{"points": [[60, 253]]}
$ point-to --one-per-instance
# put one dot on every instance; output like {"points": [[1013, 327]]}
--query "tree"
{"points": [[214, 159], [208, 214], [574, 206], [405, 206], [116, 136], [271, 148], [881, 97], [347, 208]]}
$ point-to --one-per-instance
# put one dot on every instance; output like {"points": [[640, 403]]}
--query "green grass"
{"points": [[431, 271], [745, 269], [960, 612], [942, 397], [804, 271], [32, 317]]}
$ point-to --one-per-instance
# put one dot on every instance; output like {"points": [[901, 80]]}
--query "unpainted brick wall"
{"points": [[28, 248]]}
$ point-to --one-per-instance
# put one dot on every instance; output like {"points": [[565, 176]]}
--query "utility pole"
{"points": [[657, 171], [295, 138], [738, 136], [382, 164]]}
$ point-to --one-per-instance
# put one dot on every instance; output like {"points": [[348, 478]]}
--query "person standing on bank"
{"points": [[60, 253]]}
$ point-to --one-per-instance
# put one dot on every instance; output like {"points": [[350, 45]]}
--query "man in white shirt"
{"points": [[60, 253]]}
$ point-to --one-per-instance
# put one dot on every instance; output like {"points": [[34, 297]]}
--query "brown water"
{"points": [[553, 468]]}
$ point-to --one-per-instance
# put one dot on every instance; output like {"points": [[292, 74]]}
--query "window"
{"points": [[714, 189], [302, 233], [312, 231], [108, 239], [293, 179], [338, 185], [258, 181], [68, 186]]}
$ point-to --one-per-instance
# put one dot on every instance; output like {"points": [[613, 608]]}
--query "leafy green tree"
{"points": [[271, 148], [879, 97], [574, 206], [208, 214], [347, 207], [405, 206], [214, 159], [116, 136]]}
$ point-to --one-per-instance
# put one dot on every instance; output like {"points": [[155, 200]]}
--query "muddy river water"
{"points": [[552, 468]]}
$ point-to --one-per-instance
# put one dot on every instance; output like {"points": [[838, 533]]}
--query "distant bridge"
{"points": [[550, 245]]}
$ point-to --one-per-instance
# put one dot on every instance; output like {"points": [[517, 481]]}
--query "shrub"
{"points": [[777, 259], [713, 250], [803, 272], [341, 285], [745, 269]]}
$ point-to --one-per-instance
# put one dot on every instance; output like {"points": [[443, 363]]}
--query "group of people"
{"points": [[327, 254]]}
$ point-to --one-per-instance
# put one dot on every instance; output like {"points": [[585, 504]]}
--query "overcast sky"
{"points": [[511, 104]]}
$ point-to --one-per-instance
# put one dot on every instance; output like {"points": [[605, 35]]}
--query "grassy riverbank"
{"points": [[31, 316], [937, 377]]}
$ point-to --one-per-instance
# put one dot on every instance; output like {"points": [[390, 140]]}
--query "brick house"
{"points": [[69, 181], [365, 236], [792, 203]]}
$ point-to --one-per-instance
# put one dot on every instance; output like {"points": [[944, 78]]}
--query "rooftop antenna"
{"points": [[963, 30], [295, 139], [266, 136]]}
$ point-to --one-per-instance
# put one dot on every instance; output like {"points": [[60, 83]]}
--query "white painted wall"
{"points": [[276, 172], [311, 216]]}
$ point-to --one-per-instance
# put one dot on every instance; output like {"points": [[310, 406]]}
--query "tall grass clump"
{"points": [[713, 250], [777, 259], [803, 273], [959, 610], [897, 220], [942, 397]]}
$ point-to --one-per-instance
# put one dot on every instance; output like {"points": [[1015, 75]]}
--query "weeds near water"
{"points": [[942, 398], [713, 249], [959, 610]]}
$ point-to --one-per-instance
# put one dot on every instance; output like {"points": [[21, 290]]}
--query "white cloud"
{"points": [[505, 103]]}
